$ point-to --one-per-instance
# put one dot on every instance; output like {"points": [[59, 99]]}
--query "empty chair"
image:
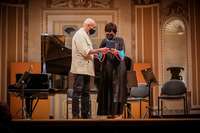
{"points": [[172, 90], [139, 93]]}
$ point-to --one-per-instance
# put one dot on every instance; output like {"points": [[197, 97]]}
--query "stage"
{"points": [[105, 125]]}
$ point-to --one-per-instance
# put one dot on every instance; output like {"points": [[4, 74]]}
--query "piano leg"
{"points": [[29, 103]]}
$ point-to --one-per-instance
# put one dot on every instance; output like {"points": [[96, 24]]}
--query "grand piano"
{"points": [[55, 76]]}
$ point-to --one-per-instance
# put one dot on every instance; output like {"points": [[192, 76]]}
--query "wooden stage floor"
{"points": [[105, 125]]}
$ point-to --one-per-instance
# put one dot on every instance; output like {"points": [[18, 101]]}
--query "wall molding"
{"points": [[0, 47], [153, 32], [4, 79], [174, 9], [49, 12], [79, 4], [193, 42], [195, 33], [170, 18]]}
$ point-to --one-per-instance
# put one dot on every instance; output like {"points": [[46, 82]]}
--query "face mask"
{"points": [[91, 31], [109, 36]]}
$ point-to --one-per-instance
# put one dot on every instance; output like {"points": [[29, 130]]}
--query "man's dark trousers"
{"points": [[81, 88]]}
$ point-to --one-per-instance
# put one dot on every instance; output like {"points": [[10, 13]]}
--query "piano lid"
{"points": [[54, 53], [60, 37]]}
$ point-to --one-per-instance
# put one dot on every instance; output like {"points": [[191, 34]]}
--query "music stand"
{"points": [[131, 82], [151, 82], [131, 79], [22, 82], [24, 77]]}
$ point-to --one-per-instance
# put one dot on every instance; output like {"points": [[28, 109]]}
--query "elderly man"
{"points": [[83, 67]]}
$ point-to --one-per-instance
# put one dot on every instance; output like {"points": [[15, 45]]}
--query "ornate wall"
{"points": [[141, 23], [146, 38], [12, 42], [42, 10], [194, 51], [150, 18]]}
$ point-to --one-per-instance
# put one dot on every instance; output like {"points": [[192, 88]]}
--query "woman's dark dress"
{"points": [[112, 94]]}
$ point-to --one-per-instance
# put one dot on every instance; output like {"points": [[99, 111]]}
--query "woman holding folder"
{"points": [[112, 94]]}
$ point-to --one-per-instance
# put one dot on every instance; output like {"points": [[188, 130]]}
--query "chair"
{"points": [[139, 93], [69, 99], [172, 90]]}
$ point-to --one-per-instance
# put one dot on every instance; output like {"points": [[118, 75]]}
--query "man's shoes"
{"points": [[86, 116], [76, 117]]}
